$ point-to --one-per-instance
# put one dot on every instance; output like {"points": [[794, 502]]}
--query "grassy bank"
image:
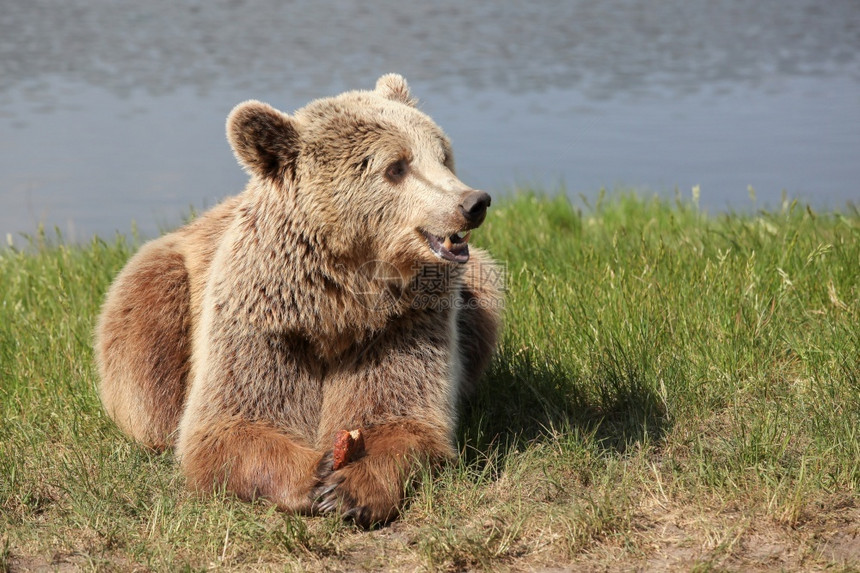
{"points": [[673, 390]]}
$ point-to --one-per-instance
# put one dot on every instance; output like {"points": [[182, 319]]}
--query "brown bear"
{"points": [[336, 292]]}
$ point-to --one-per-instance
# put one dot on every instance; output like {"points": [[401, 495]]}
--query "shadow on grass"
{"points": [[526, 397]]}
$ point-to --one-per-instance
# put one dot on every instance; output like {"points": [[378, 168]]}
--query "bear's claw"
{"points": [[327, 497], [361, 516]]}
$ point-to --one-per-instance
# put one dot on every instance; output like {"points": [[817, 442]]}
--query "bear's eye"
{"points": [[397, 171]]}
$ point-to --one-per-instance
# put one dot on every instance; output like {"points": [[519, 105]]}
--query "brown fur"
{"points": [[249, 337]]}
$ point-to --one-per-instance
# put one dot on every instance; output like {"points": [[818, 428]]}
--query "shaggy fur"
{"points": [[301, 307]]}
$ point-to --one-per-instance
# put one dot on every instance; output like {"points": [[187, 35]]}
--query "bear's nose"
{"points": [[474, 207]]}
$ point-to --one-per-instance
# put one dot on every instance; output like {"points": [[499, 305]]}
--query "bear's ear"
{"points": [[264, 140], [395, 88]]}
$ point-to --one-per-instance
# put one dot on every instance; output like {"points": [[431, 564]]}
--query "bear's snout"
{"points": [[474, 207]]}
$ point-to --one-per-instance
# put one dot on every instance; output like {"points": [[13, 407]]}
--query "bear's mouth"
{"points": [[453, 248]]}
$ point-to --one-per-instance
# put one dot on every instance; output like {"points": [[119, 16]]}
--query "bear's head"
{"points": [[370, 175]]}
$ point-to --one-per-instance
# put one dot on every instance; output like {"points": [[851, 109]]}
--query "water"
{"points": [[113, 111]]}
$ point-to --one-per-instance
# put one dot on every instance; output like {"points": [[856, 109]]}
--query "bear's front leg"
{"points": [[399, 389], [370, 489], [251, 460], [250, 417]]}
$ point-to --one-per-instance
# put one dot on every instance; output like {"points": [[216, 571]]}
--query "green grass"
{"points": [[673, 390]]}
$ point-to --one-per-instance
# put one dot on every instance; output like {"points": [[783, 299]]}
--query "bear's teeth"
{"points": [[447, 245], [466, 237]]}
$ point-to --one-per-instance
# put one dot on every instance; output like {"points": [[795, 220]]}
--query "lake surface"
{"points": [[113, 111]]}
